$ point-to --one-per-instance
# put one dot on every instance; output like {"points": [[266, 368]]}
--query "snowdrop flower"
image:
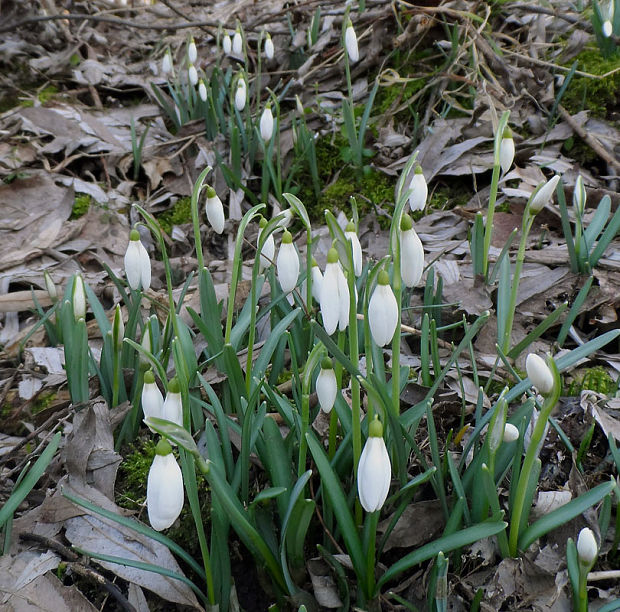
{"points": [[50, 287], [237, 42], [543, 194], [343, 300], [419, 193], [326, 386], [349, 232], [192, 74], [350, 43], [317, 280], [374, 471], [539, 374], [527, 436], [269, 48], [172, 410], [146, 343], [287, 219], [166, 62], [226, 44], [579, 196], [164, 488], [329, 299], [202, 90], [506, 150], [587, 548], [118, 329], [266, 123], [78, 297], [215, 211], [287, 264], [411, 253], [268, 251], [607, 12], [240, 94], [137, 263], [382, 311], [192, 52], [511, 433], [152, 400]]}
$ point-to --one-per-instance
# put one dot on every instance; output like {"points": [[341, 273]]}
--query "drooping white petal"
{"points": [[411, 257], [350, 42], [317, 283], [269, 48], [543, 195], [240, 95], [172, 410], [506, 153], [329, 297], [237, 43], [382, 314], [192, 74], [202, 90], [152, 401], [164, 492], [133, 264], [326, 389], [357, 251], [417, 199], [539, 373], [266, 124], [192, 52], [215, 211], [268, 252], [226, 44], [374, 474], [287, 266], [166, 63], [344, 300]]}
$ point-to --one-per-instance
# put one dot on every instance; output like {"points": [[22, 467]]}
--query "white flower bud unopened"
{"points": [[237, 43], [79, 298], [356, 247], [587, 548], [226, 44], [215, 211], [266, 124], [506, 150], [166, 62], [419, 190], [539, 374], [164, 489], [269, 48], [382, 311], [192, 52], [411, 253], [579, 196], [511, 433], [192, 74], [326, 386], [350, 43], [543, 194], [374, 470], [202, 90], [287, 263], [240, 95]]}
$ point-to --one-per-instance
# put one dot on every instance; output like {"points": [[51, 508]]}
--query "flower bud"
{"points": [[543, 194], [164, 488], [382, 311], [50, 287], [166, 62], [411, 253], [240, 94], [326, 386], [539, 374], [511, 433], [317, 281], [329, 298], [419, 190], [192, 52], [215, 211], [351, 235], [269, 48], [152, 400], [118, 330], [374, 471], [350, 43], [287, 263], [237, 42], [226, 44], [266, 124], [506, 150], [192, 74], [579, 197], [587, 548], [172, 410], [202, 90], [78, 297], [137, 263], [267, 254]]}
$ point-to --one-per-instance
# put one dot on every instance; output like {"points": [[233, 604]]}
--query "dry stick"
{"points": [[592, 142]]}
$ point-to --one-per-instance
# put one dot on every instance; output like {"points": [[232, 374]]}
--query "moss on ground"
{"points": [[181, 212], [81, 204], [600, 96], [594, 379]]}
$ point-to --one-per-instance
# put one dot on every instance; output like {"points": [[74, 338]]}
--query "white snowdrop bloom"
{"points": [[343, 299], [172, 410], [240, 94], [152, 400], [78, 298], [543, 194], [350, 43], [382, 311], [511, 433], [166, 62], [192, 52], [287, 263], [374, 471], [226, 44], [607, 11], [539, 374], [351, 235], [202, 90], [506, 150], [215, 211], [164, 488], [192, 74], [587, 548], [326, 386], [268, 47], [419, 193], [266, 124], [268, 252], [287, 219], [527, 436], [411, 253], [329, 298], [317, 281], [137, 263], [237, 43]]}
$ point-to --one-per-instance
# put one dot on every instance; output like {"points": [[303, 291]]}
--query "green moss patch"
{"points": [[181, 212], [81, 204]]}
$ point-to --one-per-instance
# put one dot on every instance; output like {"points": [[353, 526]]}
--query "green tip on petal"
{"points": [[350, 227], [332, 256], [173, 386], [418, 169], [134, 234], [163, 448], [507, 133], [383, 278], [406, 222], [375, 428], [326, 363], [149, 378], [286, 237], [210, 192], [262, 222]]}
